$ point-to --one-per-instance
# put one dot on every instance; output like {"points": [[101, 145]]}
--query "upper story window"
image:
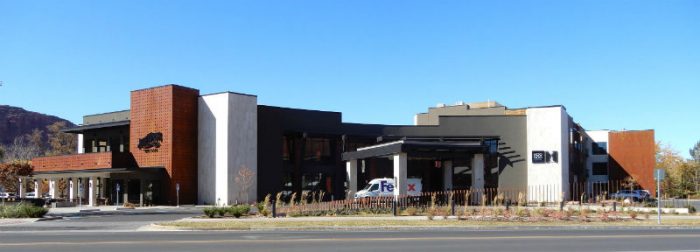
{"points": [[286, 148], [100, 145], [600, 168], [318, 149], [600, 148]]}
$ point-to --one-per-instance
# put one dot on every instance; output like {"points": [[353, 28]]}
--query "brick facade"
{"points": [[172, 111], [102, 160]]}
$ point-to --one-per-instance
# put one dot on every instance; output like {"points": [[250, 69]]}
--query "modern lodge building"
{"points": [[177, 146]]}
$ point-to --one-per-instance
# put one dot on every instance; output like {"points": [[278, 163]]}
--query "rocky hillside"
{"points": [[16, 121]]}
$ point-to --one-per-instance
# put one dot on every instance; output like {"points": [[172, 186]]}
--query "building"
{"points": [[176, 146]]}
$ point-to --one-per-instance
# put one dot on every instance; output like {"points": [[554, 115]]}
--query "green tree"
{"points": [[695, 155], [681, 174], [695, 152]]}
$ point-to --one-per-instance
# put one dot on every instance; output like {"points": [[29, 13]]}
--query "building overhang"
{"points": [[82, 128], [419, 148], [98, 172]]}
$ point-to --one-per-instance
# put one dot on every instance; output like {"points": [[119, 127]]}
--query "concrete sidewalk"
{"points": [[88, 209]]}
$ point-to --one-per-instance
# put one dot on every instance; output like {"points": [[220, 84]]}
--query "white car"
{"points": [[6, 195]]}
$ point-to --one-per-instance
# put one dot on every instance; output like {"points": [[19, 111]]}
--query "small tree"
{"points": [[10, 173], [62, 185], [244, 181]]}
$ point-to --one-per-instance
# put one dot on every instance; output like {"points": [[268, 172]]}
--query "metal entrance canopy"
{"points": [[414, 148]]}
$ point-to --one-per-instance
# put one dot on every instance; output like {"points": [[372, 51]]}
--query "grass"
{"points": [[394, 224]]}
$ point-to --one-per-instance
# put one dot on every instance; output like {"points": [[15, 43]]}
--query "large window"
{"points": [[600, 148], [318, 149], [600, 168]]}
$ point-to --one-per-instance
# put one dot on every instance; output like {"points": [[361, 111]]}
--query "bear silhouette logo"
{"points": [[151, 141]]}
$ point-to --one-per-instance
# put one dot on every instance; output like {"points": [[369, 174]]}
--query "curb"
{"points": [[157, 227], [50, 218]]}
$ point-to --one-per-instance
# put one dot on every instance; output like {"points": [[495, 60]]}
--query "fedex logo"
{"points": [[411, 187], [385, 184]]}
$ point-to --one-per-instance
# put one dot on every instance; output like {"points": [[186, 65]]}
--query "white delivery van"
{"points": [[384, 187]]}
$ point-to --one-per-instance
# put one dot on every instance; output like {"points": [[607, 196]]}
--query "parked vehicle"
{"points": [[31, 195], [384, 187], [632, 195], [6, 195], [645, 193]]}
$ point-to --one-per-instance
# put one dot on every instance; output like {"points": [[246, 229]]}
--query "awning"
{"points": [[419, 148], [88, 172], [82, 128]]}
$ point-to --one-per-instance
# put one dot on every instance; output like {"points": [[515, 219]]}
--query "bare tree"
{"points": [[62, 185], [244, 181], [23, 148], [59, 142]]}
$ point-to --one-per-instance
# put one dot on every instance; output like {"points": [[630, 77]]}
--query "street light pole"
{"points": [[658, 195]]}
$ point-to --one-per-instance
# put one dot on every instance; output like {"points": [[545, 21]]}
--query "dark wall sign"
{"points": [[151, 142], [542, 157]]}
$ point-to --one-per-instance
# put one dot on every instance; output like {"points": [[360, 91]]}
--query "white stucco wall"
{"points": [[548, 130], [227, 141], [80, 149]]}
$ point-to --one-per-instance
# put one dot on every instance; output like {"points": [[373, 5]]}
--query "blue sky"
{"points": [[613, 64]]}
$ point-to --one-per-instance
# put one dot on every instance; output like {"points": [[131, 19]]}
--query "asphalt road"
{"points": [[404, 241]]}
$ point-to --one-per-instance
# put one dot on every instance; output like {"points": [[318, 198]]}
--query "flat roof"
{"points": [[82, 128]]}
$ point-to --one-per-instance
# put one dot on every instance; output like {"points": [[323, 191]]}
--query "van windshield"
{"points": [[371, 187]]}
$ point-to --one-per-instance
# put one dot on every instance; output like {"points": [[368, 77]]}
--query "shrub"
{"points": [[445, 212], [633, 214], [238, 211], [245, 209], [235, 211], [522, 212], [691, 209], [22, 210], [570, 212], [430, 214], [499, 212], [411, 211], [210, 212], [540, 212]]}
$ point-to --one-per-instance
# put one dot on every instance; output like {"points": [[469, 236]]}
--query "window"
{"points": [[600, 148], [318, 149], [492, 145], [286, 148], [600, 168]]}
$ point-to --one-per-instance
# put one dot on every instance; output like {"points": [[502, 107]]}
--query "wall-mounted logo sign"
{"points": [[542, 157], [151, 142]]}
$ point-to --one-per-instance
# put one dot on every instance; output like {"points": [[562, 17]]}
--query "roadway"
{"points": [[312, 241]]}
